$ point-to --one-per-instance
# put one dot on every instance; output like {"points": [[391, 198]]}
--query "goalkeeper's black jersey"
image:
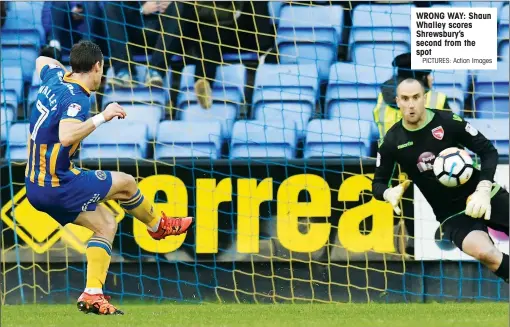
{"points": [[416, 150]]}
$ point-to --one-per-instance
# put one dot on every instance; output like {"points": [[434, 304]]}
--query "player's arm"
{"points": [[479, 203], [73, 128], [468, 136], [43, 61], [384, 169]]}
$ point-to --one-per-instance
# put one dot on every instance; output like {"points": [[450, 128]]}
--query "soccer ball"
{"points": [[453, 167]]}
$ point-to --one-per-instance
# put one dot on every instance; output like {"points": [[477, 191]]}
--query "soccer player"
{"points": [[413, 143], [58, 123]]}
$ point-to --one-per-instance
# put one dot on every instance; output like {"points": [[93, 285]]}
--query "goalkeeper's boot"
{"points": [[97, 303], [171, 227]]}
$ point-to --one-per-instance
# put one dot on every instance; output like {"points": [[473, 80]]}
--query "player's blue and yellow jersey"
{"points": [[59, 98]]}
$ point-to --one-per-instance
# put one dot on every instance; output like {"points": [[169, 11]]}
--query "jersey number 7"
{"points": [[45, 112]]}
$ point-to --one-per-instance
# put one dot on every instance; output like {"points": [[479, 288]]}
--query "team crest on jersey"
{"points": [[101, 175], [73, 109], [438, 132]]}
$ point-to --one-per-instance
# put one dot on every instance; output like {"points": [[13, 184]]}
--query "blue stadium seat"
{"points": [[348, 81], [228, 85], [451, 78], [491, 92], [253, 139], [23, 56], [285, 83], [24, 16], [310, 35], [182, 139], [359, 110], [274, 8], [337, 138], [504, 33], [148, 96], [496, 130], [149, 115], [18, 139], [12, 79], [8, 99], [117, 139], [475, 4], [6, 118], [376, 24], [377, 54], [224, 113], [294, 112]]}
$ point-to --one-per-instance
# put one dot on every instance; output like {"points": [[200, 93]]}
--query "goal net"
{"points": [[275, 162]]}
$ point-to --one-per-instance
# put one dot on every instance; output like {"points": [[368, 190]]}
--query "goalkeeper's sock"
{"points": [[143, 209], [502, 271], [99, 251]]}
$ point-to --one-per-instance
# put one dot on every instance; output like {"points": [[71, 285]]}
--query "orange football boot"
{"points": [[171, 227], [97, 303]]}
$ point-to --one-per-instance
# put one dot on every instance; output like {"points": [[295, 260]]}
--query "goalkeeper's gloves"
{"points": [[393, 195], [479, 203]]}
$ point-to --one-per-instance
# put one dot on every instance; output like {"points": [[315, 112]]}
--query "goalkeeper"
{"points": [[465, 212], [58, 123]]}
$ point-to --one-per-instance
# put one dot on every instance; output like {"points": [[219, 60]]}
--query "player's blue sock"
{"points": [[502, 271]]}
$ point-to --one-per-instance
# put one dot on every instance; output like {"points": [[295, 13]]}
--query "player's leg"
{"points": [[125, 189], [479, 245], [98, 253], [472, 237]]}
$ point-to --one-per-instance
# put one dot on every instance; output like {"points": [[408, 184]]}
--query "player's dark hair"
{"points": [[84, 55]]}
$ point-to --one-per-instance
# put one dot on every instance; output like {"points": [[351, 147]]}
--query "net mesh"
{"points": [[276, 168]]}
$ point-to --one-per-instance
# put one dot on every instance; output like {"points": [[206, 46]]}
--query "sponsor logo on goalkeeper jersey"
{"points": [[405, 145], [438, 132], [426, 161]]}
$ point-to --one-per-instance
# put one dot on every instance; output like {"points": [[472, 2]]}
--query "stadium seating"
{"points": [[224, 113], [496, 130], [454, 84], [293, 112], [228, 85], [12, 79], [6, 118], [8, 99], [379, 32], [149, 115], [148, 96], [282, 84], [254, 139], [18, 139], [182, 139], [491, 92], [349, 82], [504, 33], [117, 139], [310, 35], [337, 138]]}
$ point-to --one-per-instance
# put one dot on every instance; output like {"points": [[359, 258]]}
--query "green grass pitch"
{"points": [[281, 315]]}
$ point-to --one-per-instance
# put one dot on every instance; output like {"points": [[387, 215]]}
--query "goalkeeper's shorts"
{"points": [[457, 228]]}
